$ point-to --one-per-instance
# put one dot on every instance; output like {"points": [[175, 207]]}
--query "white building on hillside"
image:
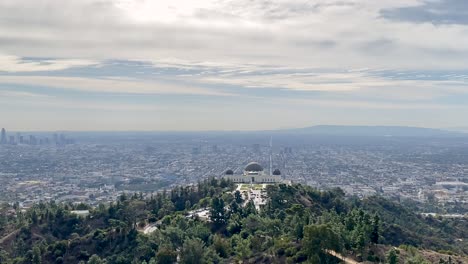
{"points": [[253, 173]]}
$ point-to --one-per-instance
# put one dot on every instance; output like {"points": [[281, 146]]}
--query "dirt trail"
{"points": [[3, 239], [343, 258]]}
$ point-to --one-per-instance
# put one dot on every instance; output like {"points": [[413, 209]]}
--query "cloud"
{"points": [[385, 55], [114, 85], [375, 83], [181, 77], [12, 64], [25, 100], [21, 94], [328, 34], [438, 12]]}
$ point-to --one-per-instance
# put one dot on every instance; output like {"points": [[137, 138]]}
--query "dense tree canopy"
{"points": [[298, 224]]}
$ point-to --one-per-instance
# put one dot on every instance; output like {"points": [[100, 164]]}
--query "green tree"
{"points": [[166, 255], [392, 257], [238, 197], [374, 236], [192, 251], [210, 256], [242, 249], [4, 256], [175, 235], [250, 208], [418, 259], [188, 205], [36, 257], [34, 217], [234, 225], [95, 259], [221, 246], [318, 239], [218, 213], [200, 231]]}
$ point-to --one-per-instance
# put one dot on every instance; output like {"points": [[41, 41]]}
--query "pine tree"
{"points": [[392, 257], [36, 257], [218, 213]]}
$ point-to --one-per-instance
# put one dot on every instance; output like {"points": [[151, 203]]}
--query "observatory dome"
{"points": [[253, 166]]}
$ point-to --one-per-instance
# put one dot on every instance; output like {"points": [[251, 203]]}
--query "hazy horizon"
{"points": [[140, 65], [331, 126]]}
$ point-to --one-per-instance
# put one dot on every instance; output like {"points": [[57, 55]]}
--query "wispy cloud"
{"points": [[12, 64], [110, 85], [53, 103], [8, 94], [372, 83]]}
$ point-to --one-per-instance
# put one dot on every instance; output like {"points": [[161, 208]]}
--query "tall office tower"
{"points": [[21, 140], [62, 139], [3, 139], [12, 140], [215, 148], [196, 150], [32, 140]]}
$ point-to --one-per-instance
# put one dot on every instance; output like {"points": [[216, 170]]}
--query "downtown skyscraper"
{"points": [[3, 139]]}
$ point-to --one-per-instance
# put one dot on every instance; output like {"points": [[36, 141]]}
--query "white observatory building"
{"points": [[254, 174]]}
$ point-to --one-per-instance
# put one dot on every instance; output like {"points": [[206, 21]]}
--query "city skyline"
{"points": [[17, 138], [232, 65]]}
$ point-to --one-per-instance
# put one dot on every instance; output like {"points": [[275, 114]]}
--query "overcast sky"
{"points": [[232, 65]]}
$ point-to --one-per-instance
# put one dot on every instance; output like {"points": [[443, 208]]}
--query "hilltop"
{"points": [[297, 224]]}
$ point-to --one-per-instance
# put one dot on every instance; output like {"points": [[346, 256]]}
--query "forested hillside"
{"points": [[298, 224]]}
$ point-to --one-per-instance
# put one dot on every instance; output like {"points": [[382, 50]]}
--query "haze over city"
{"points": [[232, 65]]}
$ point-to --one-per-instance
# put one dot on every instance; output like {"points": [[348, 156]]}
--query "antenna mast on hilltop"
{"points": [[271, 151]]}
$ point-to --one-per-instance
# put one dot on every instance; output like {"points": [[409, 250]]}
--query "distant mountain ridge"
{"points": [[379, 131], [330, 130], [458, 129]]}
